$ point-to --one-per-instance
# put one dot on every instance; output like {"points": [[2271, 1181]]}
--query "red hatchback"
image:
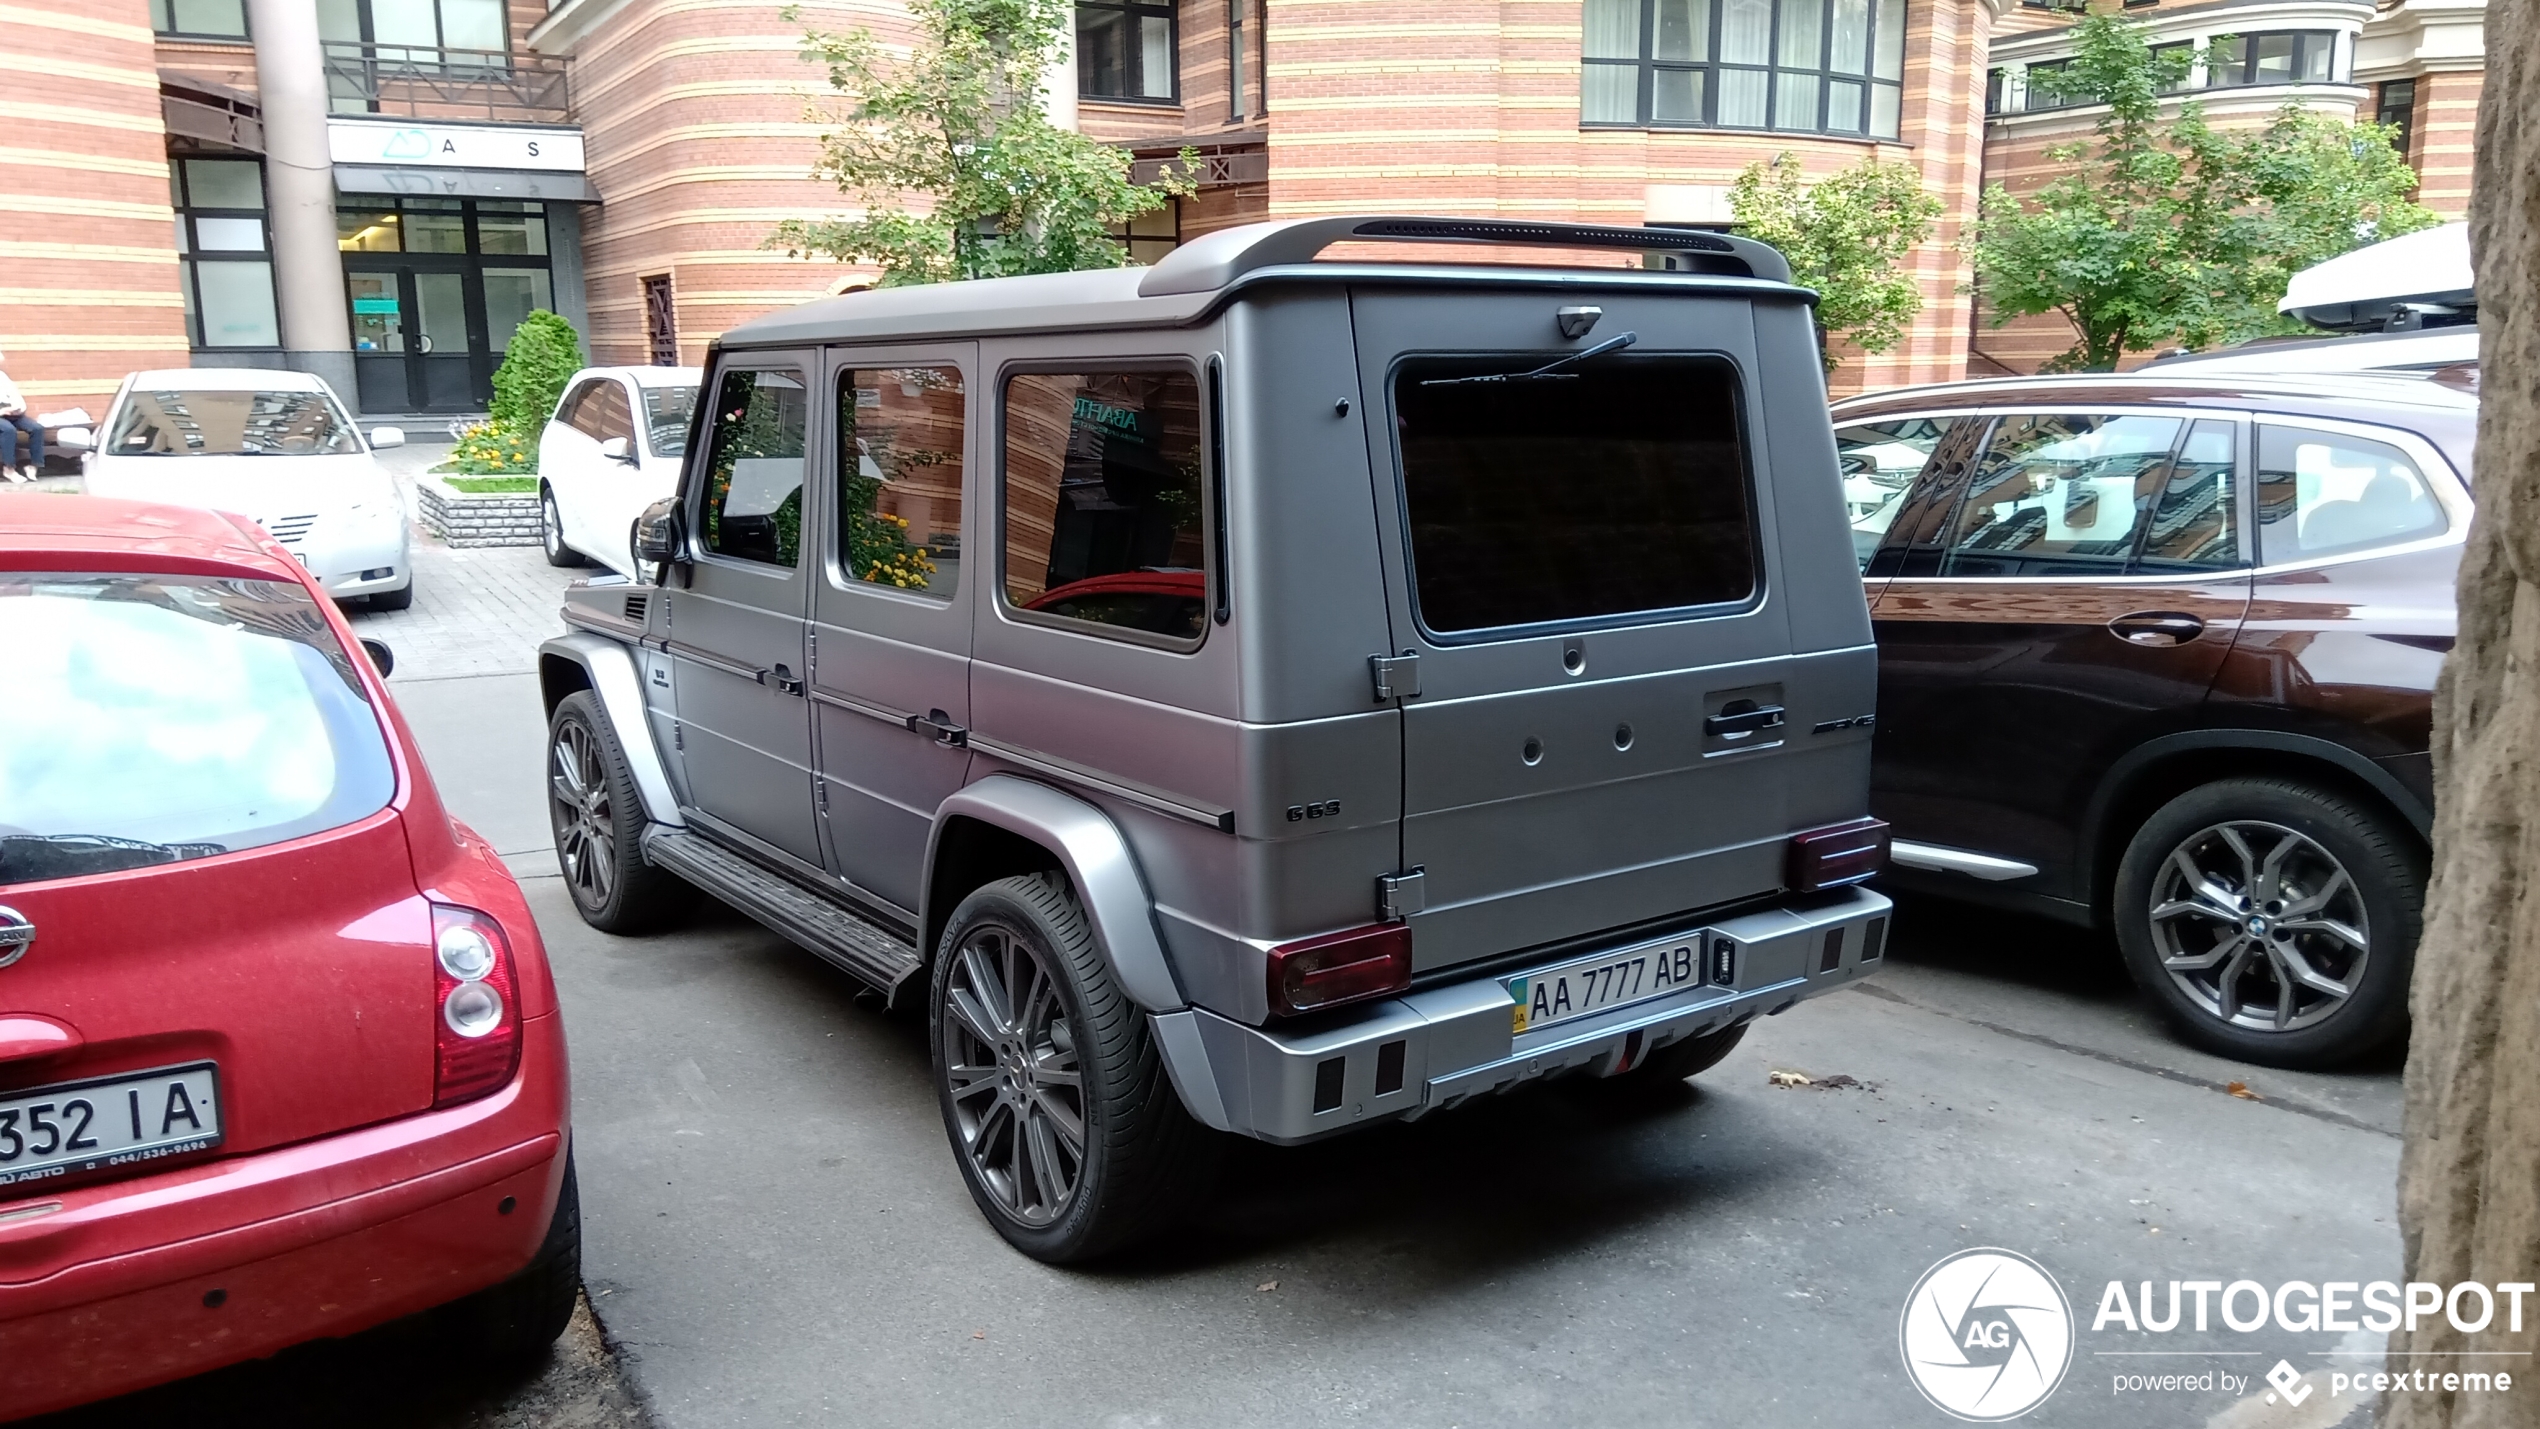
{"points": [[279, 1050]]}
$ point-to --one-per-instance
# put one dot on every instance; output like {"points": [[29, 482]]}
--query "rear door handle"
{"points": [[1734, 722], [783, 679], [939, 725], [2157, 629]]}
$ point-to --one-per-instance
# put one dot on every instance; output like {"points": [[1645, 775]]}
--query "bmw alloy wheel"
{"points": [[2260, 926], [585, 835], [1016, 1086]]}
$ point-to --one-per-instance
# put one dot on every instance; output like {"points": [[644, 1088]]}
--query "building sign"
{"points": [[430, 144]]}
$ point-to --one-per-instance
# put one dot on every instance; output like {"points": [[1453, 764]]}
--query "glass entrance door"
{"points": [[437, 287], [414, 346]]}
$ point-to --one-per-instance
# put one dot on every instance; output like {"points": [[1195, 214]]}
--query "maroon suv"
{"points": [[2158, 654]]}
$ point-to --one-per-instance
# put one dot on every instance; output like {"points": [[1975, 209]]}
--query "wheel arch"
{"points": [[2160, 770], [584, 661]]}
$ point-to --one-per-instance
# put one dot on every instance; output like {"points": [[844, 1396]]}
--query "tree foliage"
{"points": [[1847, 236], [962, 122], [2166, 231], [543, 355]]}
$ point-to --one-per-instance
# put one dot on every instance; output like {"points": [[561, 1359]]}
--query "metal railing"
{"points": [[440, 82]]}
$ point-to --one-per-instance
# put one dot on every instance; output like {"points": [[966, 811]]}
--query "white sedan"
{"points": [[275, 447], [613, 448]]}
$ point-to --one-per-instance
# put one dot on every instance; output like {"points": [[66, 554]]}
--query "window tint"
{"points": [[1613, 489], [754, 476], [1102, 499], [2061, 493], [152, 718], [899, 477], [1880, 461], [231, 422], [2195, 524], [2322, 492], [666, 413]]}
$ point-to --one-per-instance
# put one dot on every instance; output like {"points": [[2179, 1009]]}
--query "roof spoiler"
{"points": [[1214, 260]]}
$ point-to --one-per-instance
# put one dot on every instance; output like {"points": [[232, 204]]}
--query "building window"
{"points": [[415, 31], [1235, 58], [1125, 49], [2285, 57], [1152, 234], [2186, 50], [1997, 89], [200, 19], [1804, 66], [226, 255], [2398, 109], [661, 322]]}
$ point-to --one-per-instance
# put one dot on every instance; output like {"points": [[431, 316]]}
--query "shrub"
{"points": [[543, 356]]}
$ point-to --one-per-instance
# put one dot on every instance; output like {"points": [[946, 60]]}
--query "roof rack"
{"points": [[1212, 261]]}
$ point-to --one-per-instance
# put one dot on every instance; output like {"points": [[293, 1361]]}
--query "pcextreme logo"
{"points": [[1987, 1335]]}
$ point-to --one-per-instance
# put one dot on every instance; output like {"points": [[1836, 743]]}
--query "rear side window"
{"points": [[1616, 489], [2060, 492], [2321, 493], [899, 477], [754, 478], [156, 718], [1102, 517]]}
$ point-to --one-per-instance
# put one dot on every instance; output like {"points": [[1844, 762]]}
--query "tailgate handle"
{"points": [[1740, 718], [2156, 628]]}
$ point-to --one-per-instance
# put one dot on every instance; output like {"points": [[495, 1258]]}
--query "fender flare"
{"points": [[2381, 781], [608, 669], [1097, 859]]}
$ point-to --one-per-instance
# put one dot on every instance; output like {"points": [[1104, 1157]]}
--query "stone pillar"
{"points": [[308, 269]]}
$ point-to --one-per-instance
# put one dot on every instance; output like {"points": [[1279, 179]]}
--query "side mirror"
{"points": [[618, 449], [382, 658], [74, 439], [657, 537], [382, 438]]}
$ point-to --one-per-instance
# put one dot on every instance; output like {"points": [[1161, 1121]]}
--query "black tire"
{"points": [[397, 599], [1139, 1159], [599, 841], [2240, 921], [551, 531], [1685, 1057], [520, 1318]]}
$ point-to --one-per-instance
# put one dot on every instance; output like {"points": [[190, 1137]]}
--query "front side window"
{"points": [[1618, 488], [1880, 461], [1125, 49], [2195, 526], [1801, 66], [2060, 493], [156, 718], [754, 469], [899, 477], [1102, 513], [2324, 493], [230, 422]]}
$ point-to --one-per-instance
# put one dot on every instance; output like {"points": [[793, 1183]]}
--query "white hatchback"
{"points": [[275, 447], [612, 449]]}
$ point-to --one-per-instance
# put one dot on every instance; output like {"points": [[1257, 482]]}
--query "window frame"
{"points": [[1647, 65], [1132, 10], [1209, 485], [842, 365]]}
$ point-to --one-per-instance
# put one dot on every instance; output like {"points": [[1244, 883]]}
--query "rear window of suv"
{"points": [[155, 718], [1616, 489]]}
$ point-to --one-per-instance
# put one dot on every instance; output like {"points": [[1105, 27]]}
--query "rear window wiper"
{"points": [[1545, 373], [32, 858]]}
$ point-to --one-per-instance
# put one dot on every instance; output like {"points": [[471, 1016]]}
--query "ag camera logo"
{"points": [[1987, 1335]]}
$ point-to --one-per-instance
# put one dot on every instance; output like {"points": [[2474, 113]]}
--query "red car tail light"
{"points": [[1340, 967], [1836, 855], [475, 1006]]}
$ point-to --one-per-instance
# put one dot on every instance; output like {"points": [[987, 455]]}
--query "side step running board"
{"points": [[867, 949]]}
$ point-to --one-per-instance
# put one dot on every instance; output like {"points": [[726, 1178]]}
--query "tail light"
{"points": [[476, 1011], [1340, 967], [1836, 855]]}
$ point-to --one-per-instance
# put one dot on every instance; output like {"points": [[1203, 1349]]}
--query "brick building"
{"points": [[379, 189]]}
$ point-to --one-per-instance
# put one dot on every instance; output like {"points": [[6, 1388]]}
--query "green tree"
{"points": [[961, 121], [543, 355], [2165, 231], [1847, 236]]}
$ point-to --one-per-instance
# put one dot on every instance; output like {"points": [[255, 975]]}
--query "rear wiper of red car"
{"points": [[1545, 372]]}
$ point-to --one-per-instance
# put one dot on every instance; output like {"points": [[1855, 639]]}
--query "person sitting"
{"points": [[17, 426]]}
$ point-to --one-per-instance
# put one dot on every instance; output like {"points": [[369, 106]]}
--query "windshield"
{"points": [[230, 422], [666, 412], [154, 718]]}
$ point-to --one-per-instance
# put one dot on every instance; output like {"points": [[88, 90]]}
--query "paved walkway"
{"points": [[476, 612]]}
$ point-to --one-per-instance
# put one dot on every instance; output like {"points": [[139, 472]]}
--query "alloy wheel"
{"points": [[2260, 925], [1012, 1074], [550, 526], [586, 834]]}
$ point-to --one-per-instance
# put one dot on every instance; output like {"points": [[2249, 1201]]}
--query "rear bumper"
{"points": [[109, 1293], [1440, 1046]]}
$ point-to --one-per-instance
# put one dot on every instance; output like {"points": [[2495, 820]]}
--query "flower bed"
{"points": [[466, 519]]}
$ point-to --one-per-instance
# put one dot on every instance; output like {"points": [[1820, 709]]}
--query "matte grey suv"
{"points": [[1376, 685]]}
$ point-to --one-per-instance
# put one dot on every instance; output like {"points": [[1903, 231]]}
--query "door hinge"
{"points": [[1399, 895], [678, 737], [820, 792], [1397, 677]]}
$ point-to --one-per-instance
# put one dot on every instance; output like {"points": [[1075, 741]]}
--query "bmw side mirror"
{"points": [[656, 537], [618, 449], [382, 658], [382, 438]]}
